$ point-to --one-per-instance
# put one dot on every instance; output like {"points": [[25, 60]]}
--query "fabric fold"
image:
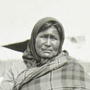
{"points": [[29, 74]]}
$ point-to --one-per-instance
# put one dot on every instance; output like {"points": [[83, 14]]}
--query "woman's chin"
{"points": [[47, 56]]}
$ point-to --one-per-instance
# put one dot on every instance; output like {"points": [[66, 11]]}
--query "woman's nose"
{"points": [[48, 42]]}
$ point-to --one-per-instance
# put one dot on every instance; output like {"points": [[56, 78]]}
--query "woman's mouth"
{"points": [[46, 50]]}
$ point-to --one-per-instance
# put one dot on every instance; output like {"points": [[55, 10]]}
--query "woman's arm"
{"points": [[8, 81]]}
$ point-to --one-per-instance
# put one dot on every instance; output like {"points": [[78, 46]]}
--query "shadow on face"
{"points": [[47, 43]]}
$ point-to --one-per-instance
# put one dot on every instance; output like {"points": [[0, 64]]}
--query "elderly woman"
{"points": [[45, 65]]}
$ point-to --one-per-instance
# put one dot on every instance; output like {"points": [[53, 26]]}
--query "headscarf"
{"points": [[30, 54]]}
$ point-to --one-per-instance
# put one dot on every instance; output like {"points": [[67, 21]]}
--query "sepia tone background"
{"points": [[17, 18]]}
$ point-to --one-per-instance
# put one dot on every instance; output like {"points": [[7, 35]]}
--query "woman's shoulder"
{"points": [[74, 62], [18, 67]]}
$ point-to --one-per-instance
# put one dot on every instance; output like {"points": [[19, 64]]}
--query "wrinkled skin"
{"points": [[47, 43]]}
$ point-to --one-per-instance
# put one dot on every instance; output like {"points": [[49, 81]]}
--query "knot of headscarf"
{"points": [[30, 55]]}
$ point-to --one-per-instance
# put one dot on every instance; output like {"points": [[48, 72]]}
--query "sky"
{"points": [[17, 18]]}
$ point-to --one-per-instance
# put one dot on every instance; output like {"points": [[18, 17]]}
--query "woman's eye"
{"points": [[42, 37], [53, 38], [46, 37]]}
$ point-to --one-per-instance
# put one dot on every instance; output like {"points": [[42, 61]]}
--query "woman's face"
{"points": [[47, 43]]}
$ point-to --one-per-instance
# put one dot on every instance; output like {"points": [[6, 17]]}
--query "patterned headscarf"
{"points": [[30, 54]]}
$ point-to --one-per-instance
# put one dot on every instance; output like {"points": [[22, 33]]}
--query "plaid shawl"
{"points": [[63, 73]]}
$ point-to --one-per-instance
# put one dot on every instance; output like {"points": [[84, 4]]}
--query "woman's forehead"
{"points": [[50, 31]]}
